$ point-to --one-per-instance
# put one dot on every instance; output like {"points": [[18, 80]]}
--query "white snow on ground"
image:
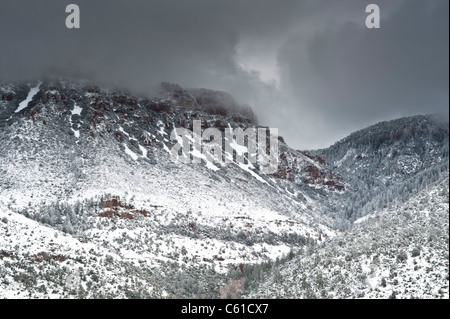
{"points": [[247, 168], [77, 133], [400, 252], [235, 218], [161, 125], [211, 166], [143, 150], [131, 153], [76, 111], [30, 96], [21, 236], [123, 131], [349, 153], [24, 239], [363, 219], [195, 153], [166, 148], [240, 149]]}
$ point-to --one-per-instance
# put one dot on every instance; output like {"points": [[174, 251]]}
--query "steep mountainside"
{"points": [[388, 162], [398, 253]]}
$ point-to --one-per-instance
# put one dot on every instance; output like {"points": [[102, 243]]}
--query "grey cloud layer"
{"points": [[335, 75]]}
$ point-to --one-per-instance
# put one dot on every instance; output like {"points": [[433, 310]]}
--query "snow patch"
{"points": [[76, 111], [33, 91], [143, 150], [131, 153]]}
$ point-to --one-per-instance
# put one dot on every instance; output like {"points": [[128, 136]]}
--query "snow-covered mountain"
{"points": [[387, 163], [93, 206]]}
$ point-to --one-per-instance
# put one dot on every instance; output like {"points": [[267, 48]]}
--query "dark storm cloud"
{"points": [[347, 77], [137, 42], [330, 74]]}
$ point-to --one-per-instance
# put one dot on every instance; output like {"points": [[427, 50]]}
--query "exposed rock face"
{"points": [[209, 101], [302, 167], [183, 98]]}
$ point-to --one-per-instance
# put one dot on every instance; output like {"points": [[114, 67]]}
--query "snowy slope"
{"points": [[401, 253], [388, 162]]}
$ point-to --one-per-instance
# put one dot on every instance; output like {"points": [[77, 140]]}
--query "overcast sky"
{"points": [[308, 67]]}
